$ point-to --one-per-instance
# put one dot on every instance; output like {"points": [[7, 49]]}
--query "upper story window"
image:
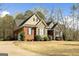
{"points": [[33, 19]]}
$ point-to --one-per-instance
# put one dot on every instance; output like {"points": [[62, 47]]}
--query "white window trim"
{"points": [[41, 31], [30, 31]]}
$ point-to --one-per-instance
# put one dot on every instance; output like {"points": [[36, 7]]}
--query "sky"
{"points": [[13, 8]]}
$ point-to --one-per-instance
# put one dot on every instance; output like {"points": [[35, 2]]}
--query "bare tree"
{"points": [[8, 27], [74, 9], [44, 11]]}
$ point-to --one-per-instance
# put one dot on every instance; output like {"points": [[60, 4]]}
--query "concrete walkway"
{"points": [[12, 50]]}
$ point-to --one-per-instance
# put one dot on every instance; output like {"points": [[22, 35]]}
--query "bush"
{"points": [[38, 38], [8, 38], [46, 38], [22, 36], [1, 38]]}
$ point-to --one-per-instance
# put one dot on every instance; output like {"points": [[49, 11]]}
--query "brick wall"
{"points": [[27, 36]]}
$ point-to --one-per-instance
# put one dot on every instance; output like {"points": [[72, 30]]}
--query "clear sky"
{"points": [[21, 7]]}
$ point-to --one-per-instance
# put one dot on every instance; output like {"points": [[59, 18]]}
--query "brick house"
{"points": [[31, 26]]}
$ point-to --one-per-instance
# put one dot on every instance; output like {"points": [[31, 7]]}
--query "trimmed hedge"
{"points": [[38, 38], [46, 38]]}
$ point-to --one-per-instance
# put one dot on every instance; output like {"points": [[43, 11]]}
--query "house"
{"points": [[30, 27], [55, 30]]}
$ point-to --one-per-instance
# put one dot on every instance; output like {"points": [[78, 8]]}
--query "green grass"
{"points": [[52, 48]]}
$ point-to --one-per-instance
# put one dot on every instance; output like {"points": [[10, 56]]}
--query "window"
{"points": [[30, 31], [33, 19], [41, 31]]}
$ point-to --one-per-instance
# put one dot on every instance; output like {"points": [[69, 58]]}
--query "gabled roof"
{"points": [[20, 22], [54, 25], [37, 23], [61, 26], [51, 24], [26, 20], [48, 23], [43, 20]]}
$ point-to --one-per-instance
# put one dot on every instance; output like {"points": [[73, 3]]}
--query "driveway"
{"points": [[12, 50]]}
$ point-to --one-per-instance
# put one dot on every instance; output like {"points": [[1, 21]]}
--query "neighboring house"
{"points": [[55, 30], [30, 27]]}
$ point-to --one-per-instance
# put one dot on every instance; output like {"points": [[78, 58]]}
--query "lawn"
{"points": [[51, 48]]}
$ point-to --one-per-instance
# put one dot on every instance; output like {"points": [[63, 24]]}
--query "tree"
{"points": [[74, 9], [59, 17], [1, 34], [8, 27], [41, 15], [51, 16], [44, 13], [19, 16], [28, 13]]}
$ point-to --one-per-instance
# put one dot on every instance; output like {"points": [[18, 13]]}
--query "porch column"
{"points": [[54, 34]]}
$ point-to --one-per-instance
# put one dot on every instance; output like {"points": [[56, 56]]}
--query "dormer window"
{"points": [[33, 19]]}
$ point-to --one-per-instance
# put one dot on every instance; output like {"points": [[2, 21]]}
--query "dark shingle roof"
{"points": [[48, 23], [26, 19], [54, 25], [19, 22]]}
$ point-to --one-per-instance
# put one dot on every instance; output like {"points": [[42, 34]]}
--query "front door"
{"points": [[50, 34]]}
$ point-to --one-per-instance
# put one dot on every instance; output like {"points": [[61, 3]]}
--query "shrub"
{"points": [[22, 36], [38, 38], [1, 38], [46, 38], [8, 38]]}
